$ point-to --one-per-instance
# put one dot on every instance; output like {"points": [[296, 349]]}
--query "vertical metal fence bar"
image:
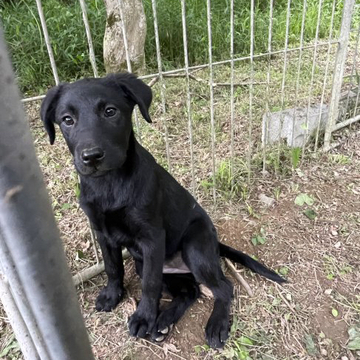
{"points": [[162, 84], [312, 75], [47, 41], [286, 45], [29, 231], [128, 62], [96, 74], [8, 269], [232, 104], [123, 28], [251, 88], [17, 323], [268, 79], [211, 81], [299, 68], [188, 97], [89, 38], [352, 72], [357, 101], [325, 75], [339, 70]]}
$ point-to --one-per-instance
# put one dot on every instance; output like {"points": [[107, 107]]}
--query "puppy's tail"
{"points": [[249, 262]]}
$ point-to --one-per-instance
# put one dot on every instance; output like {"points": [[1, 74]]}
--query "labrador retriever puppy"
{"points": [[133, 202]]}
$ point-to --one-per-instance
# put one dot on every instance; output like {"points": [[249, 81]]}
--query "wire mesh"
{"points": [[272, 55]]}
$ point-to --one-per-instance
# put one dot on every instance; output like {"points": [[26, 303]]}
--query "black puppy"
{"points": [[133, 202]]}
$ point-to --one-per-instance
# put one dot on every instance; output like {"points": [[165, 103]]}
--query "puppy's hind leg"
{"points": [[184, 290], [201, 255]]}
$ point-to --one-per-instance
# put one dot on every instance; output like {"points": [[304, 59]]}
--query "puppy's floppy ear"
{"points": [[47, 111], [137, 91]]}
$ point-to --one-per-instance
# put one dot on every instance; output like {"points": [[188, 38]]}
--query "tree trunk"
{"points": [[135, 29]]}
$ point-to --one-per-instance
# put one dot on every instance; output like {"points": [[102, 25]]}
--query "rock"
{"points": [[323, 352], [135, 28], [267, 201], [290, 119]]}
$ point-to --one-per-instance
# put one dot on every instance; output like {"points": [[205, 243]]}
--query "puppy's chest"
{"points": [[120, 225]]}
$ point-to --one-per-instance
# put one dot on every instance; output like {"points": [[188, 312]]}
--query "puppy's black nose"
{"points": [[92, 156]]}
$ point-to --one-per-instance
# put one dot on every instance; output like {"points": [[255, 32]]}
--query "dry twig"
{"points": [[92, 271], [239, 277]]}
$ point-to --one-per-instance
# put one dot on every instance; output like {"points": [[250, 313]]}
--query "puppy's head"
{"points": [[94, 116]]}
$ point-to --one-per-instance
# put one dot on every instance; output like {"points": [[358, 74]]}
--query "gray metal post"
{"points": [[339, 70], [29, 231], [21, 309], [17, 323]]}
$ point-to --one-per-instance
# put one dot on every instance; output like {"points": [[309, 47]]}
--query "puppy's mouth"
{"points": [[100, 168], [93, 171]]}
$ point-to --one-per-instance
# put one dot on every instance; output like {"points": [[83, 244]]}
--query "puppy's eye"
{"points": [[68, 120], [110, 111]]}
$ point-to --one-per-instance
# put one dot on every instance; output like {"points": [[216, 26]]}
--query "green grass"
{"points": [[64, 20]]}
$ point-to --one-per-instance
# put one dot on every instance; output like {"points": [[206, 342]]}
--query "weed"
{"points": [[339, 159], [284, 270], [311, 214], [302, 199], [237, 347], [295, 157], [279, 160], [334, 269], [260, 238], [11, 349], [230, 179], [354, 337], [277, 193]]}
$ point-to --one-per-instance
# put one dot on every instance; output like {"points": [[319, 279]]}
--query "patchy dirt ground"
{"points": [[315, 246]]}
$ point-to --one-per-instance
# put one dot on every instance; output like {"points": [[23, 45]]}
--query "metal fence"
{"points": [[331, 51], [227, 108]]}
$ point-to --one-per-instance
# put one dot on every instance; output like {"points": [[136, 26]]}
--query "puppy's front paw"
{"points": [[108, 298], [217, 332], [141, 323]]}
